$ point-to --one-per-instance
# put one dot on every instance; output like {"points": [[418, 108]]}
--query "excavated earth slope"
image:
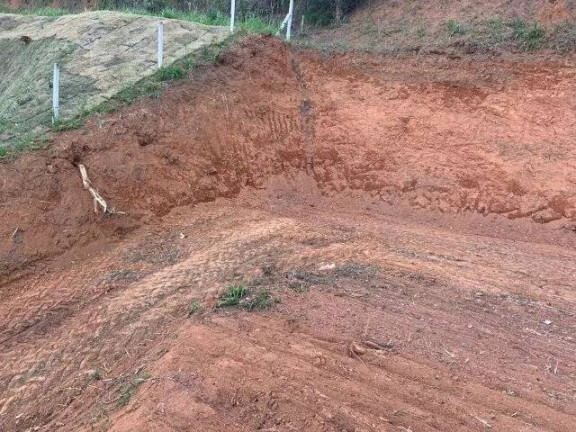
{"points": [[414, 217]]}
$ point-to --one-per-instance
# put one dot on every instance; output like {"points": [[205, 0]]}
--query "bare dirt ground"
{"points": [[413, 218]]}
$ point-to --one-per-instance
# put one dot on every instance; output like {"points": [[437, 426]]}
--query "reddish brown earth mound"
{"points": [[389, 204], [447, 135]]}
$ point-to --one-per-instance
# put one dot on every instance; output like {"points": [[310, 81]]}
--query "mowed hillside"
{"points": [[100, 53]]}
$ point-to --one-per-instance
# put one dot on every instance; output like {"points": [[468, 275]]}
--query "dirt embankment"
{"points": [[229, 127], [107, 323], [447, 135]]}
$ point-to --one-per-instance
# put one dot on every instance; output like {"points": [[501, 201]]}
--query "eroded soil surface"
{"points": [[412, 221]]}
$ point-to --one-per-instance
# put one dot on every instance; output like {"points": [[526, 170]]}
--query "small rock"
{"points": [[547, 322], [331, 266]]}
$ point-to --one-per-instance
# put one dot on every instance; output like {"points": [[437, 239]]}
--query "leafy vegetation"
{"points": [[251, 14]]}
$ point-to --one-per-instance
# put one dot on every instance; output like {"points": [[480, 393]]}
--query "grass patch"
{"points": [[495, 27], [254, 24], [241, 296], [45, 11], [529, 36], [65, 125], [454, 28], [248, 23], [127, 391], [21, 144], [171, 73], [232, 296]]}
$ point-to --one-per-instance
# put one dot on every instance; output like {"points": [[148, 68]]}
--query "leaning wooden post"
{"points": [[290, 15], [160, 44], [232, 15], [55, 94]]}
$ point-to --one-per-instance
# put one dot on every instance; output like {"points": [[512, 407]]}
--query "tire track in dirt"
{"points": [[306, 112]]}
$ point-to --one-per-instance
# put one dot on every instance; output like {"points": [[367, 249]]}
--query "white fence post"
{"points": [[232, 15], [290, 15], [160, 43], [55, 93]]}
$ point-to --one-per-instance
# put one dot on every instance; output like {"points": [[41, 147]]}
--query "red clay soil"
{"points": [[413, 216]]}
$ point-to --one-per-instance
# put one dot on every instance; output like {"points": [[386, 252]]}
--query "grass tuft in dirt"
{"points": [[232, 296], [454, 28], [529, 36], [241, 296]]}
